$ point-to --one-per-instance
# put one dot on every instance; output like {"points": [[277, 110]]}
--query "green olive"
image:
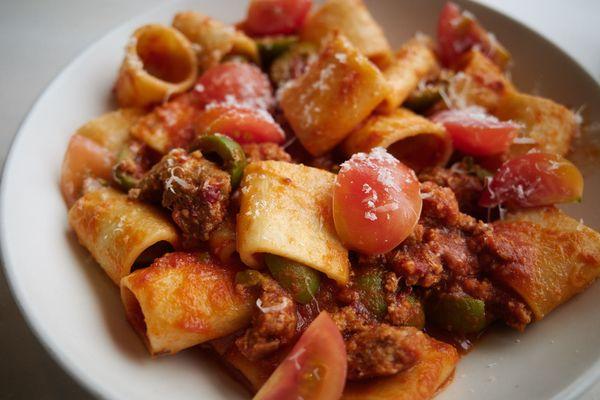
{"points": [[270, 48], [421, 99], [417, 313], [228, 150], [301, 281], [370, 290], [121, 173], [286, 66], [457, 313], [249, 277]]}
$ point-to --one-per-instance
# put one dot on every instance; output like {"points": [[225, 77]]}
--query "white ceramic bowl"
{"points": [[76, 311]]}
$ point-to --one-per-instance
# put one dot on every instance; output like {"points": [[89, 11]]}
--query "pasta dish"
{"points": [[330, 217]]}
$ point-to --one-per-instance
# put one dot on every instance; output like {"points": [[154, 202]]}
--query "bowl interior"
{"points": [[76, 310]]}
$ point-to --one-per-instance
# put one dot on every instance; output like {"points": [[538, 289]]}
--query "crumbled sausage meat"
{"points": [[443, 241], [467, 188], [193, 188], [383, 350], [273, 323], [448, 251]]}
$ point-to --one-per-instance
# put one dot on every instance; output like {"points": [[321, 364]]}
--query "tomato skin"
{"points": [[276, 17], [234, 83], [458, 32], [474, 132], [376, 202], [244, 125], [532, 180], [84, 158], [315, 369]]}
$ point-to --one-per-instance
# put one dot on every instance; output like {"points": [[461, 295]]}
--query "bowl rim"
{"points": [[572, 391]]}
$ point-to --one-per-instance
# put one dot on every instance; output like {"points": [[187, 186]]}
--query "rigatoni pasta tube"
{"points": [[557, 257], [549, 126], [93, 149], [159, 62], [286, 210], [111, 130], [353, 19], [184, 299], [412, 139], [480, 83], [413, 62], [117, 230], [213, 39], [336, 93]]}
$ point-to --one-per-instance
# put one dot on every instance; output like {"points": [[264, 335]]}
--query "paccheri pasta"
{"points": [[331, 218]]}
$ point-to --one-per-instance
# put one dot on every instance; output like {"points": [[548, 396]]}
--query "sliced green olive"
{"points": [[301, 281], [122, 172], [228, 150], [457, 313], [249, 277], [270, 48], [421, 99], [291, 63], [417, 313], [370, 290]]}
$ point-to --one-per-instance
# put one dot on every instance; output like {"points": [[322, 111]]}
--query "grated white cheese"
{"points": [[370, 215], [174, 178], [341, 57], [275, 308], [524, 140]]}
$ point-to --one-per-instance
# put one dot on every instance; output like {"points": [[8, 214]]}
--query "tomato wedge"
{"points": [[84, 158], [234, 83], [315, 369], [376, 202], [276, 17], [532, 180], [244, 125], [477, 133], [458, 32]]}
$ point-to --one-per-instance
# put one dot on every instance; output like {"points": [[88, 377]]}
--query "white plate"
{"points": [[76, 311]]}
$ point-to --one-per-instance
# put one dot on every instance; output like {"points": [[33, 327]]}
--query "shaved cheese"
{"points": [[174, 178], [275, 308]]}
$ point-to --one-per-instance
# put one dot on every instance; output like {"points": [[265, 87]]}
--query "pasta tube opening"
{"points": [[159, 62], [164, 56], [134, 313], [414, 140], [150, 254]]}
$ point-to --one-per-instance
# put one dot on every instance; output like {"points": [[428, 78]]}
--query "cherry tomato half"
{"points": [[458, 32], [244, 125], [234, 83], [315, 369], [376, 202], [276, 17], [474, 132], [532, 180]]}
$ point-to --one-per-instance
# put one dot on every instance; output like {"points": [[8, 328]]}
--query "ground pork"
{"points": [[448, 252], [383, 350], [467, 188], [273, 322], [193, 188]]}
